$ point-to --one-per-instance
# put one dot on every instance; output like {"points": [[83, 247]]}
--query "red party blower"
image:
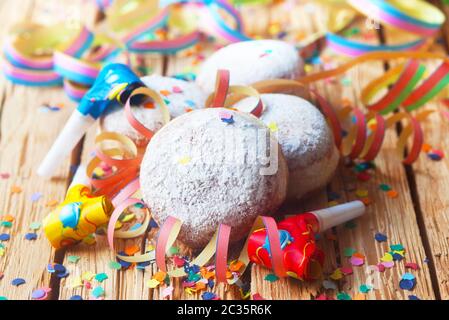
{"points": [[302, 258]]}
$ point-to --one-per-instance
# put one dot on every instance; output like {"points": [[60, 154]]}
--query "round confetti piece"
{"points": [[101, 277], [38, 294], [392, 194], [18, 282], [271, 277], [76, 297], [153, 283], [364, 288], [31, 236], [397, 257], [257, 296], [208, 296], [388, 264], [59, 268], [6, 224], [35, 226], [346, 270], [348, 252], [73, 259], [379, 237], [115, 265], [4, 237], [98, 292], [411, 265], [434, 156], [405, 284], [387, 257], [397, 247], [412, 297], [36, 196], [4, 175], [167, 292], [355, 261], [2, 298], [343, 296]]}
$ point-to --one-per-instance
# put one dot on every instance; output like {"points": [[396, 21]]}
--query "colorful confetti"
{"points": [[407, 282], [380, 237], [271, 277], [18, 282]]}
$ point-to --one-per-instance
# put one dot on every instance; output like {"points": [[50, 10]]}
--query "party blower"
{"points": [[114, 84], [78, 216], [302, 258]]}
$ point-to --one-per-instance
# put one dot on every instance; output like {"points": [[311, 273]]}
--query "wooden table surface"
{"points": [[418, 218]]}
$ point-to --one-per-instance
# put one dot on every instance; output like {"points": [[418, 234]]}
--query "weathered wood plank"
{"points": [[123, 284], [26, 134], [394, 217], [429, 186], [291, 288]]}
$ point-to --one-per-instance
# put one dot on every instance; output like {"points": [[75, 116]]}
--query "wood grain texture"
{"points": [[26, 134], [394, 217], [302, 23], [429, 177], [122, 284]]}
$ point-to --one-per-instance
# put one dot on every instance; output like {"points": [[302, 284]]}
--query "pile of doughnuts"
{"points": [[219, 165]]}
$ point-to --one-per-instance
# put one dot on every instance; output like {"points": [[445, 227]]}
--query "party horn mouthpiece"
{"points": [[334, 216]]}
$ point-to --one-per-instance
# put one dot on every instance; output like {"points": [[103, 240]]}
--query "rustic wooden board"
{"points": [[121, 284], [427, 179], [26, 134], [394, 217], [290, 288], [417, 218]]}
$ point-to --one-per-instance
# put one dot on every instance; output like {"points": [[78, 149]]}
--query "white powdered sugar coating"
{"points": [[183, 96], [204, 172], [305, 138], [250, 62], [115, 120], [190, 97]]}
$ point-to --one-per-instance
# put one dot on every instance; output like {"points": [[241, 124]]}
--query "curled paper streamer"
{"points": [[417, 17], [219, 99], [73, 56], [365, 134]]}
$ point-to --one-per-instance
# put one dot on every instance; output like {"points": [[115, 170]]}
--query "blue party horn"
{"points": [[114, 85]]}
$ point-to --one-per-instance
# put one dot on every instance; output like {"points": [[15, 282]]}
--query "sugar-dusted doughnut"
{"points": [[179, 95], [213, 166], [305, 138], [250, 62]]}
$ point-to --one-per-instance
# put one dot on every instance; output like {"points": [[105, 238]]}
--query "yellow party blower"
{"points": [[77, 217]]}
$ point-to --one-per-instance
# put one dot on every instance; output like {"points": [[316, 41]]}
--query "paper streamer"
{"points": [[364, 138], [38, 55], [412, 16]]}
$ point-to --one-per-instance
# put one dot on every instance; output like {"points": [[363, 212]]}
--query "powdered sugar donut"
{"points": [[305, 138], [209, 167], [250, 62], [179, 95]]}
